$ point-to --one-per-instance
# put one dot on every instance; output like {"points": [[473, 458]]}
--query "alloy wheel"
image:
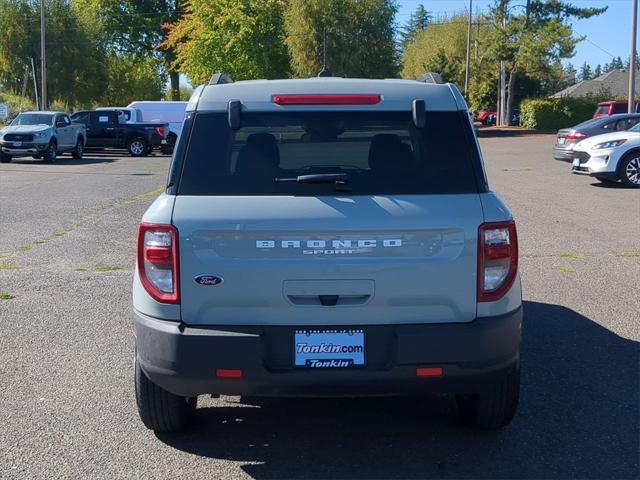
{"points": [[632, 171], [137, 148]]}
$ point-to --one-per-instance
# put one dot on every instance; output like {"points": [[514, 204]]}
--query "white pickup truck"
{"points": [[171, 113], [42, 135]]}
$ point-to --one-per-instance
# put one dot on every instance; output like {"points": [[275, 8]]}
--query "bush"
{"points": [[556, 113]]}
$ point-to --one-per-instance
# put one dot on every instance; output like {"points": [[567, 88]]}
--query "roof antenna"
{"points": [[325, 71]]}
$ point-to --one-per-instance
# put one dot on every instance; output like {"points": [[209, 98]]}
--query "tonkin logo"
{"points": [[211, 280]]}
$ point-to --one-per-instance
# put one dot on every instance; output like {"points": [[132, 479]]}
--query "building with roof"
{"points": [[614, 84]]}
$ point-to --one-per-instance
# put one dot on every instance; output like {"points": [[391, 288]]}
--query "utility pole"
{"points": [[35, 82], [24, 86], [43, 66], [477, 42], [632, 59], [501, 116], [466, 70]]}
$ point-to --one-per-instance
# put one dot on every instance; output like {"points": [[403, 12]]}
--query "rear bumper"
{"points": [[184, 359], [563, 154]]}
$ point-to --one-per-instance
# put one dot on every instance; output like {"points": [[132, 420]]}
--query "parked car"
{"points": [[483, 115], [568, 138], [514, 122], [41, 135], [611, 157], [611, 107], [107, 129], [327, 236], [167, 112]]}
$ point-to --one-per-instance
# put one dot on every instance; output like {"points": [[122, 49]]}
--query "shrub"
{"points": [[556, 113]]}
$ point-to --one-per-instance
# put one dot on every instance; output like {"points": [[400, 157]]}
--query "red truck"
{"points": [[611, 107]]}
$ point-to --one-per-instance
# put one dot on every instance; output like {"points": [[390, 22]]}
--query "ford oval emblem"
{"points": [[211, 280]]}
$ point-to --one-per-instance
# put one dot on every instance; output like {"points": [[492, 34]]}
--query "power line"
{"points": [[596, 45]]}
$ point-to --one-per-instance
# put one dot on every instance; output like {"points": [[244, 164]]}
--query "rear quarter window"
{"points": [[380, 152]]}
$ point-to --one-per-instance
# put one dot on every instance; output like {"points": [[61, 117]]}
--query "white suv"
{"points": [[611, 157]]}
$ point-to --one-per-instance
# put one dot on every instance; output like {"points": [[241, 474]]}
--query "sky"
{"points": [[607, 35]]}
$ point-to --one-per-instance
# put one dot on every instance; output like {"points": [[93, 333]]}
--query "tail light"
{"points": [[497, 259], [158, 261], [160, 131], [327, 99], [576, 136]]}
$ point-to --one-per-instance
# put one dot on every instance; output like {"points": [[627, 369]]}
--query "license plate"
{"points": [[338, 348], [17, 144], [576, 162], [561, 140]]}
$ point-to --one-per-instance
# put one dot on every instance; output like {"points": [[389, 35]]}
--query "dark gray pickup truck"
{"points": [[108, 129]]}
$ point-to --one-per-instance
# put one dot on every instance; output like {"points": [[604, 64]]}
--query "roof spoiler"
{"points": [[430, 77], [219, 79]]}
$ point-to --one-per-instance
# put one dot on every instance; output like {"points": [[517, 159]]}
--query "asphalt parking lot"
{"points": [[67, 406]]}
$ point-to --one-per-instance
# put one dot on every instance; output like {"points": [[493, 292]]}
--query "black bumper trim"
{"points": [[183, 359]]}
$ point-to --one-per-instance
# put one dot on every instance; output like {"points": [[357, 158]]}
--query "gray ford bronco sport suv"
{"points": [[327, 236]]}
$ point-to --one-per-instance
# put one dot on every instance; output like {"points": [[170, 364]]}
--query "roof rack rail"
{"points": [[219, 79], [430, 77]]}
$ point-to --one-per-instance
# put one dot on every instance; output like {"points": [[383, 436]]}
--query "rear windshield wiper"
{"points": [[340, 180]]}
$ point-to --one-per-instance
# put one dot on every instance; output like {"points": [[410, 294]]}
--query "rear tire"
{"points": [[496, 406], [51, 154], [137, 147], [78, 151], [160, 410], [4, 158]]}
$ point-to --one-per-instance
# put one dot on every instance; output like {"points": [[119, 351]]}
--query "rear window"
{"points": [[376, 152], [604, 110], [619, 108]]}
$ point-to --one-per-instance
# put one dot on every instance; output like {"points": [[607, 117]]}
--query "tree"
{"points": [[132, 78], [418, 22], [360, 39], [616, 64], [597, 71], [569, 75], [534, 40], [585, 72], [76, 73], [450, 71], [442, 46], [627, 62], [139, 27], [447, 39], [244, 38]]}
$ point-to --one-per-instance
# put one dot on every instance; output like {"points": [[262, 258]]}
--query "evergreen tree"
{"points": [[598, 71], [449, 70], [569, 75], [585, 72], [418, 22], [616, 64]]}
